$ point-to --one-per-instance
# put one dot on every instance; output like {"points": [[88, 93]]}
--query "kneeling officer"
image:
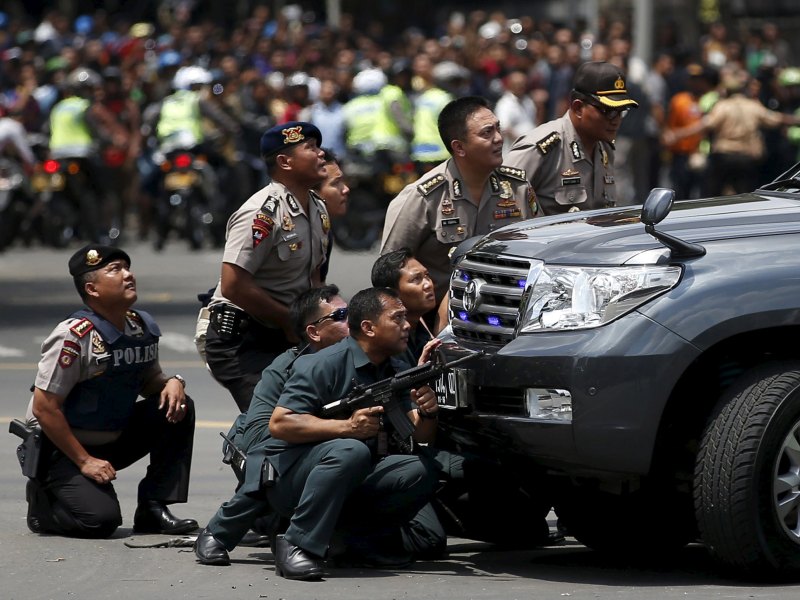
{"points": [[94, 366]]}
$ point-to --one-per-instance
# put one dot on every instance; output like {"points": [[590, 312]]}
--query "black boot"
{"points": [[293, 562], [152, 516]]}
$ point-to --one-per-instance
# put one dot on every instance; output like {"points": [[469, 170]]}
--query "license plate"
{"points": [[179, 181], [447, 389], [43, 182]]}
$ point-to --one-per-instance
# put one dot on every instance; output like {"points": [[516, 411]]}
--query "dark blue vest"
{"points": [[105, 402]]}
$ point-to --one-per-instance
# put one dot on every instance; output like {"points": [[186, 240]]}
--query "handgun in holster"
{"points": [[29, 451]]}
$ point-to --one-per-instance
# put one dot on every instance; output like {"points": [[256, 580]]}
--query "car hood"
{"points": [[617, 235]]}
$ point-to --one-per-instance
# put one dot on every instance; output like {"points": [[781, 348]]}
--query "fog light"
{"points": [[552, 405]]}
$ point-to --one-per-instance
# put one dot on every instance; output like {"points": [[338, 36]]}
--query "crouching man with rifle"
{"points": [[338, 480]]}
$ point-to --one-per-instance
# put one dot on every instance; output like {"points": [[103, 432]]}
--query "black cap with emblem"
{"points": [[604, 82], [281, 137], [93, 256]]}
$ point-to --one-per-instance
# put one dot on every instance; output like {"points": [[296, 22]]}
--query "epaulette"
{"points": [[512, 172], [426, 187], [545, 144], [82, 327]]}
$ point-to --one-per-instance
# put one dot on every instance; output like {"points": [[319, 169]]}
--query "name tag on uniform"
{"points": [[290, 236], [453, 221], [570, 180]]}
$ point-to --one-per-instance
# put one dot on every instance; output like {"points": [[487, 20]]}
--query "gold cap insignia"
{"points": [[93, 257], [619, 84], [292, 135]]}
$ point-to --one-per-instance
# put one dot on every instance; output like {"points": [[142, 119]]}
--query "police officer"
{"points": [[275, 244], [319, 316], [337, 474], [94, 366], [469, 194], [569, 161]]}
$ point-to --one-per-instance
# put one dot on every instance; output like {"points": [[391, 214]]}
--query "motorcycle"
{"points": [[182, 205], [373, 181], [15, 201], [66, 205]]}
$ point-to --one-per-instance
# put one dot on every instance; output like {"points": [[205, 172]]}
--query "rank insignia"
{"points": [[493, 181], [92, 258], [270, 206], [69, 352], [513, 172], [546, 144], [326, 222], [456, 188], [508, 213], [576, 150], [288, 224], [98, 345], [294, 207], [426, 187], [82, 327]]}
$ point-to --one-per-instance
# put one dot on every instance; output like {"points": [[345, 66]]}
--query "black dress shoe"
{"points": [[153, 516], [35, 496], [252, 539], [292, 562], [209, 550]]}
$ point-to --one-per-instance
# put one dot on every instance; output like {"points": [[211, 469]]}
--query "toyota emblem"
{"points": [[472, 295]]}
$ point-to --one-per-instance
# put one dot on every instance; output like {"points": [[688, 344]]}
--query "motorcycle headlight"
{"points": [[582, 297]]}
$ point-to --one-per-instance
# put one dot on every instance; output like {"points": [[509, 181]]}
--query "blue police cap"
{"points": [[281, 137], [93, 256]]}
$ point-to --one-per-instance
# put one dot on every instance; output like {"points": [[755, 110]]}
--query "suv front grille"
{"points": [[485, 295]]}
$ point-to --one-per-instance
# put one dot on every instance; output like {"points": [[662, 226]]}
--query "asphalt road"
{"points": [[36, 292]]}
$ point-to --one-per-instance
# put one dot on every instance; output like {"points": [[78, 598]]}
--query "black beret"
{"points": [[280, 137], [93, 256]]}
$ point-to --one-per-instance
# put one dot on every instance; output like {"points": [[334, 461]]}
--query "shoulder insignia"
{"points": [[426, 187], [270, 206], [546, 144], [513, 172], [69, 352], [82, 327], [456, 188]]}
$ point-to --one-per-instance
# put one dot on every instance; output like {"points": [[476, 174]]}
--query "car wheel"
{"points": [[747, 476]]}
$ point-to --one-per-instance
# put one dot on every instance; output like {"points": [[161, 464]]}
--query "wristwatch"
{"points": [[179, 378]]}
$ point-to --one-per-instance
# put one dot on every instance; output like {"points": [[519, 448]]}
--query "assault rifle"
{"points": [[385, 393]]}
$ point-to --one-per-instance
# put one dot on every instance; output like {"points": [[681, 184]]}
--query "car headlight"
{"points": [[582, 297]]}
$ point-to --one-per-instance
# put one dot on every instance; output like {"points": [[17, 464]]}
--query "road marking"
{"points": [[6, 352], [178, 342]]}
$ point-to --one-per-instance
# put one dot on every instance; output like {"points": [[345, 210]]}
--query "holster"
{"points": [[29, 451], [228, 322]]}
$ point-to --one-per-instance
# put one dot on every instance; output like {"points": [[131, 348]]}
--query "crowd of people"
{"points": [[279, 337], [273, 68]]}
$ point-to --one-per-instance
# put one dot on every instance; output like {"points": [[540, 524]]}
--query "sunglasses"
{"points": [[340, 314], [607, 111]]}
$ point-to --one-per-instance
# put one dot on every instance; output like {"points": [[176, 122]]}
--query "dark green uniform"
{"points": [[334, 482]]}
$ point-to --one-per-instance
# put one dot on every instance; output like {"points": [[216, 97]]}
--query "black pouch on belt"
{"points": [[229, 322]]}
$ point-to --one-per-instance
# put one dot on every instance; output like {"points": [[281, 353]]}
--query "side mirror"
{"points": [[657, 206]]}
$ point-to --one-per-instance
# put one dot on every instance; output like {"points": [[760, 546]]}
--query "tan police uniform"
{"points": [[272, 237], [434, 215], [564, 178]]}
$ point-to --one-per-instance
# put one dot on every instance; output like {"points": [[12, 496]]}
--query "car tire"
{"points": [[747, 475]]}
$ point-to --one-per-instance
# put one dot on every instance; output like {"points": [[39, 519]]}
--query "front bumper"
{"points": [[619, 376]]}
